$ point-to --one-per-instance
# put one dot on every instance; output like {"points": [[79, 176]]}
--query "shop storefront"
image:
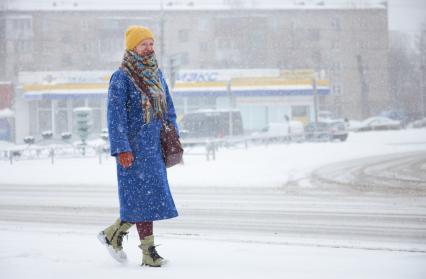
{"points": [[274, 97], [46, 100]]}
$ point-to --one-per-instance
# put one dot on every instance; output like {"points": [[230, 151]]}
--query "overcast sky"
{"points": [[407, 15]]}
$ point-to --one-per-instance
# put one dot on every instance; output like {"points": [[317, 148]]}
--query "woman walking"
{"points": [[138, 97]]}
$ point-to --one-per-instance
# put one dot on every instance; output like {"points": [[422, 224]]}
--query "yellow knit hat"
{"points": [[136, 34]]}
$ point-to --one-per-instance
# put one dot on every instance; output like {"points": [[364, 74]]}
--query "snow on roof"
{"points": [[176, 5], [5, 113]]}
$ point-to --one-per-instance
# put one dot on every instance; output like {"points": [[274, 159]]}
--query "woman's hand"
{"points": [[125, 159]]}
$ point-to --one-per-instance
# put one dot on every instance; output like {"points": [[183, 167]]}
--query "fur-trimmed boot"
{"points": [[150, 256], [112, 238]]}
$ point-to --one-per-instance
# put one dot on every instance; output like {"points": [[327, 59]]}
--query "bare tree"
{"points": [[421, 46], [404, 78]]}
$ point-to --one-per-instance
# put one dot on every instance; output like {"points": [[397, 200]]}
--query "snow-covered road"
{"points": [[276, 212], [395, 174], [337, 209]]}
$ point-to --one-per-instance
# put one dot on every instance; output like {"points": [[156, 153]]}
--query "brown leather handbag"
{"points": [[170, 145]]}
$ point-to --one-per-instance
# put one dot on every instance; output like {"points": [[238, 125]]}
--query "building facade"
{"points": [[262, 95], [348, 44]]}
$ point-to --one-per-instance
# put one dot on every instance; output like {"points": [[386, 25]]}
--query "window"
{"points": [[44, 104], [336, 68], [201, 103], [184, 58], [335, 44], [61, 117], [223, 44], [46, 25], [363, 44], [84, 25], [2, 48], [24, 46], [78, 103], [337, 89], [44, 115], [94, 103], [203, 25], [33, 117], [61, 121], [88, 47], [45, 120], [316, 57], [96, 121], [21, 24], [18, 28], [204, 46], [183, 35], [299, 111], [314, 34], [66, 37], [66, 60], [61, 103], [110, 45], [335, 23]]}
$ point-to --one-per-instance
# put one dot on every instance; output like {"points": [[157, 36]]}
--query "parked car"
{"points": [[419, 123], [326, 130], [211, 123], [378, 123], [281, 131], [354, 125], [397, 115]]}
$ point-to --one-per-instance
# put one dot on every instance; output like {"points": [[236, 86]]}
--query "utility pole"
{"points": [[422, 88], [231, 105], [315, 95], [422, 71], [174, 64]]}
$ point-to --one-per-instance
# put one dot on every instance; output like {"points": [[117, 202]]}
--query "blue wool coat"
{"points": [[143, 188]]}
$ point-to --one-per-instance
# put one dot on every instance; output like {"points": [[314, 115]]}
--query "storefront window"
{"points": [[196, 103], [255, 118], [78, 103], [96, 121], [45, 120], [300, 113], [94, 103], [61, 103], [44, 104], [33, 118], [61, 121], [179, 105], [44, 116], [278, 114]]}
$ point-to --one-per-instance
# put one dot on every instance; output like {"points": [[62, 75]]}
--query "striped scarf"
{"points": [[143, 71]]}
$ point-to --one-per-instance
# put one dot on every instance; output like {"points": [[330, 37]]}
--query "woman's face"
{"points": [[145, 47]]}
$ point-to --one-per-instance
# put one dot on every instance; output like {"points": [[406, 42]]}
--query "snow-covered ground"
{"points": [[330, 235], [258, 166], [51, 252]]}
